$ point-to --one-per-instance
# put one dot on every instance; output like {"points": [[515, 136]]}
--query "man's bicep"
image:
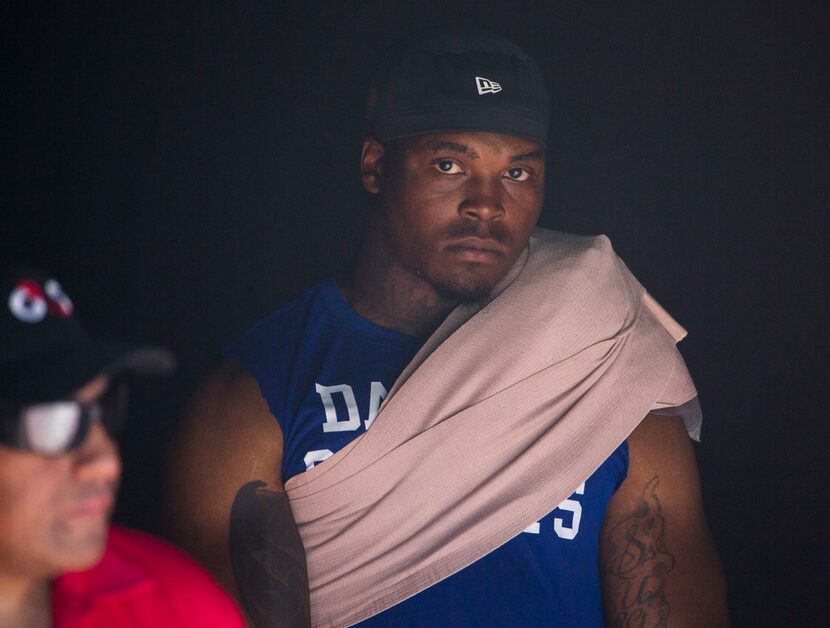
{"points": [[226, 502], [658, 564]]}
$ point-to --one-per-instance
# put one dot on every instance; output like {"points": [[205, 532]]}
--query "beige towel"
{"points": [[502, 414]]}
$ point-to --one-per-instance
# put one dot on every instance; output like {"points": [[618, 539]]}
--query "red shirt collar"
{"points": [[74, 593]]}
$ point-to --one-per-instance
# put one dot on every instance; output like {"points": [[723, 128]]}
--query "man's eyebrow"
{"points": [[536, 155], [455, 147]]}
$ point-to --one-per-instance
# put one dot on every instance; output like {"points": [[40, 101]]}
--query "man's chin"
{"points": [[465, 291], [84, 546]]}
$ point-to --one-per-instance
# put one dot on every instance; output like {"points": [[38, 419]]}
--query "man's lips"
{"points": [[477, 249], [93, 505]]}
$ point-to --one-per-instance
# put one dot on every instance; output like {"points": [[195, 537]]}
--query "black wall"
{"points": [[183, 169]]}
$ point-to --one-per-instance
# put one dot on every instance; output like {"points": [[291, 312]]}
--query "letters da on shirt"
{"points": [[566, 517]]}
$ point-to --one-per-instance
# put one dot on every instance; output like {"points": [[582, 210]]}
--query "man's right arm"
{"points": [[226, 501]]}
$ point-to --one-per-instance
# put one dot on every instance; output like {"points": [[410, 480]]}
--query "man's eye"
{"points": [[518, 174], [448, 166]]}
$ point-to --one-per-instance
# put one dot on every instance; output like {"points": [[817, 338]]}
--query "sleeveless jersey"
{"points": [[324, 371]]}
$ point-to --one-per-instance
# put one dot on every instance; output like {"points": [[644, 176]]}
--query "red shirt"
{"points": [[141, 581]]}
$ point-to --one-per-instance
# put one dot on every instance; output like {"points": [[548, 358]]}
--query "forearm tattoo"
{"points": [[637, 565], [268, 559]]}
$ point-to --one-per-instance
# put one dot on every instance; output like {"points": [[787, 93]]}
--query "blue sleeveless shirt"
{"points": [[324, 371]]}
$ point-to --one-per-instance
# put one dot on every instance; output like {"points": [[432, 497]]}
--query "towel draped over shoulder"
{"points": [[504, 411]]}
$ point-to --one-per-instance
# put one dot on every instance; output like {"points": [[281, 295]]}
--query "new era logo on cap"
{"points": [[486, 86]]}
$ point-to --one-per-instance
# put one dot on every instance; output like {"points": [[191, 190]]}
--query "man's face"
{"points": [[54, 511], [458, 208]]}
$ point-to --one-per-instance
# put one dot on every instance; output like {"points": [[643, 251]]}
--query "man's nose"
{"points": [[97, 458], [483, 200]]}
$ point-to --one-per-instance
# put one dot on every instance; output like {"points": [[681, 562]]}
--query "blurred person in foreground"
{"points": [[62, 399]]}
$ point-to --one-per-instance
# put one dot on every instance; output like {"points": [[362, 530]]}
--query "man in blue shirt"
{"points": [[456, 162]]}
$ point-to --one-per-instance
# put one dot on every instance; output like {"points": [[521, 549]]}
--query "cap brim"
{"points": [[63, 371], [507, 121]]}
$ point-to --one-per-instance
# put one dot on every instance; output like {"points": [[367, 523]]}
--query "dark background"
{"points": [[182, 169]]}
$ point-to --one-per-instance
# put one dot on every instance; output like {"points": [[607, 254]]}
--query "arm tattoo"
{"points": [[268, 559], [639, 562]]}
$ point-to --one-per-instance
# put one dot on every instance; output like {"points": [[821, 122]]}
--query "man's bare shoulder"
{"points": [[230, 400], [228, 423], [229, 383]]}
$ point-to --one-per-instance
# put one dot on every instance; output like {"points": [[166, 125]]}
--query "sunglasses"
{"points": [[57, 427]]}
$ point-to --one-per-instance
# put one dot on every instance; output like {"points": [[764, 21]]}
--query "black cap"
{"points": [[458, 79], [45, 354]]}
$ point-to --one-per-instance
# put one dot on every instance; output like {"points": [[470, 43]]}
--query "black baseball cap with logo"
{"points": [[457, 79], [45, 354]]}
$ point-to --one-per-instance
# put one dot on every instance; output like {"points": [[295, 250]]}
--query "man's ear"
{"points": [[371, 165]]}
